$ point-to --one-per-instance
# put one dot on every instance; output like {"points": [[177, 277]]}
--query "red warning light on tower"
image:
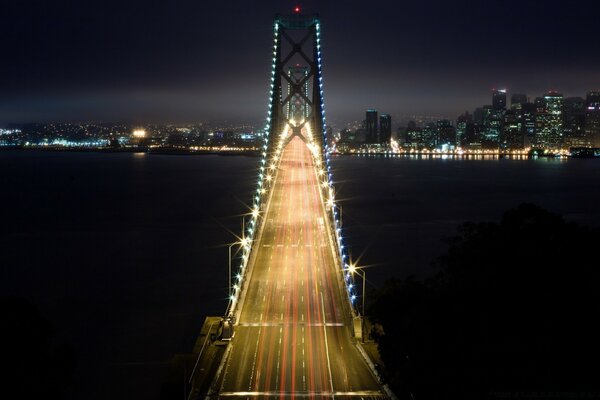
{"points": [[297, 9]]}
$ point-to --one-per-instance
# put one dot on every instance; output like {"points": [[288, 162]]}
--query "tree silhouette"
{"points": [[34, 367], [513, 307]]}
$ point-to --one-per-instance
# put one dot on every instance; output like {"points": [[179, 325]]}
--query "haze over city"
{"points": [[145, 61]]}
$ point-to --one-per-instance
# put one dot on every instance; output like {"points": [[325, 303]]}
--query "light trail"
{"points": [[293, 336]]}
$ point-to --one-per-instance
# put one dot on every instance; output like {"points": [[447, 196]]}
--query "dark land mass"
{"points": [[512, 310]]}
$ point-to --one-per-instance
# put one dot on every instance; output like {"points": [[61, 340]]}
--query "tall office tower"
{"points": [[528, 123], [499, 99], [371, 126], [592, 118], [540, 116], [574, 122], [385, 128], [429, 136], [492, 126], [445, 132], [512, 130], [413, 135], [464, 129], [516, 100], [549, 124]]}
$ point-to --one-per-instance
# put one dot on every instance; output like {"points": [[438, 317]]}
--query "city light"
{"points": [[139, 133], [352, 268]]}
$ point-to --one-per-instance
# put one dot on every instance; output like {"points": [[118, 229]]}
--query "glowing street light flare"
{"points": [[245, 242], [352, 268], [139, 133]]}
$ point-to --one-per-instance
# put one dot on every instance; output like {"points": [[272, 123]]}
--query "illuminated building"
{"points": [[528, 123], [492, 126], [446, 134], [499, 99], [592, 118], [574, 122], [549, 123], [371, 126], [413, 135], [385, 128], [429, 135], [461, 130], [512, 130]]}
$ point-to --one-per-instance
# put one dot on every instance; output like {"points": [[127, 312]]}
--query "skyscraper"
{"points": [[512, 131], [492, 126], [499, 99], [429, 135], [574, 122], [385, 129], [528, 123], [592, 118], [549, 120], [446, 134], [413, 135], [464, 129], [371, 126]]}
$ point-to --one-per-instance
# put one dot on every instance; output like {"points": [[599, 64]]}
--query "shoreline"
{"points": [[255, 153]]}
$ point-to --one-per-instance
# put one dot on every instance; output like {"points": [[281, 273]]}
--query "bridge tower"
{"points": [[295, 108], [296, 80]]}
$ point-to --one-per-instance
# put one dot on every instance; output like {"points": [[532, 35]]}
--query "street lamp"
{"points": [[245, 243], [352, 268], [230, 246]]}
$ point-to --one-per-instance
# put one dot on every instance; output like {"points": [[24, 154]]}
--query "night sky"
{"points": [[188, 61]]}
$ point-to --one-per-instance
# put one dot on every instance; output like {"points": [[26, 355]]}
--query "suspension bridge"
{"points": [[292, 325]]}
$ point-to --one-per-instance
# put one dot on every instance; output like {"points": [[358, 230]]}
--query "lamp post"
{"points": [[229, 247], [352, 269]]}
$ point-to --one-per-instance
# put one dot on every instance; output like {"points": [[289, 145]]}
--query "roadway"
{"points": [[293, 336]]}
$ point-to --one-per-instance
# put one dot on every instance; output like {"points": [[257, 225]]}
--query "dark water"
{"points": [[125, 253]]}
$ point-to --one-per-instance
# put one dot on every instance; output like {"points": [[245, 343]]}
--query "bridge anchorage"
{"points": [[292, 302]]}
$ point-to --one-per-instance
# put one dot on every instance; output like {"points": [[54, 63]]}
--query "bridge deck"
{"points": [[294, 339]]}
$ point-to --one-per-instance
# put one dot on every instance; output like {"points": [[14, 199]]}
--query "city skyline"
{"points": [[156, 63]]}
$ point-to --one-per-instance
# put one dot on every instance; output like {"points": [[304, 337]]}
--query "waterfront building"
{"points": [[492, 126], [414, 136], [371, 126], [446, 134], [528, 123], [512, 130], [385, 128], [574, 122], [429, 136], [464, 129], [549, 121], [592, 119]]}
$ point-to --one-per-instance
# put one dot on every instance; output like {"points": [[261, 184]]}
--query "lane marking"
{"points": [[327, 346], [254, 360]]}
